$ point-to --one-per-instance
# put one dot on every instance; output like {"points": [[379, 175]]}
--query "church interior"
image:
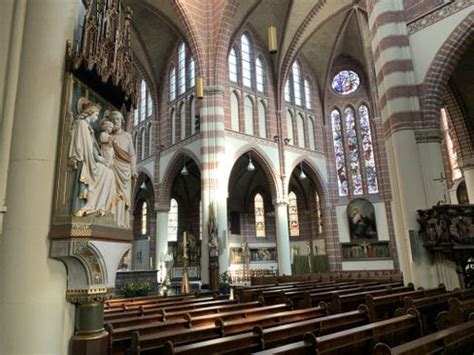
{"points": [[225, 176]]}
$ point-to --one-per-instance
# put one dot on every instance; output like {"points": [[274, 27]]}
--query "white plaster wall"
{"points": [[149, 167], [112, 253], [426, 43], [318, 160], [367, 265]]}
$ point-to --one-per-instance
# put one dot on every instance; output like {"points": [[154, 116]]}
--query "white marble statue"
{"points": [[124, 169], [95, 187]]}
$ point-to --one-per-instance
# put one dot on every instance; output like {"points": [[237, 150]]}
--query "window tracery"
{"points": [[259, 215], [293, 215]]}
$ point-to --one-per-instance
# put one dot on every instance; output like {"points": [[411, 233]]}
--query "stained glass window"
{"points": [[339, 153], [233, 66], [172, 84], [149, 104], [345, 82], [144, 218], [369, 160], [259, 216], [307, 94], [192, 73], [182, 68], [452, 154], [260, 75], [173, 221], [246, 61], [293, 215], [296, 83], [353, 147]]}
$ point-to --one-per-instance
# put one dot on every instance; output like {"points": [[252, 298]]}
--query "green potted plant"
{"points": [[224, 283], [134, 289]]}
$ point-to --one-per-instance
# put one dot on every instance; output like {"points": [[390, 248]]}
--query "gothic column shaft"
{"points": [[35, 316], [161, 241], [283, 239], [412, 151]]}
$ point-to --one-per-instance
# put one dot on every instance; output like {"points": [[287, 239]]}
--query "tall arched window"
{"points": [[246, 61], [260, 75], [259, 215], [296, 83], [299, 98], [311, 133], [181, 68], [262, 131], [338, 145], [182, 120], [300, 127], [173, 126], [233, 71], [293, 215], [307, 94], [172, 84], [353, 148], [448, 141], [234, 111], [289, 126], [144, 218], [143, 100], [192, 73], [248, 114], [173, 221]]}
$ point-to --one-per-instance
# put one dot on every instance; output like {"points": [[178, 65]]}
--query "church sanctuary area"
{"points": [[236, 177]]}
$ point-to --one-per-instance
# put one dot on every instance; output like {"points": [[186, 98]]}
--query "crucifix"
{"points": [[442, 180]]}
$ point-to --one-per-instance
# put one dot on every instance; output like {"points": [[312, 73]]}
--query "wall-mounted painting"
{"points": [[361, 215]]}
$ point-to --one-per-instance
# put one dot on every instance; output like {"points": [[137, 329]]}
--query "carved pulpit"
{"points": [[91, 223], [449, 229]]}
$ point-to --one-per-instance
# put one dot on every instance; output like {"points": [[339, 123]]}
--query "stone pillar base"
{"points": [[90, 344]]}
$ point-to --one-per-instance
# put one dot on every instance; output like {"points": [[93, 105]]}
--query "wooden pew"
{"points": [[125, 303], [383, 306], [120, 338], [249, 293], [358, 340], [348, 302], [244, 325], [314, 298], [177, 315], [458, 312], [430, 307], [298, 296], [158, 309], [454, 340], [154, 343], [279, 335]]}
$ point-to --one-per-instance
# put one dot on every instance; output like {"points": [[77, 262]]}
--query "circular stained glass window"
{"points": [[345, 82]]}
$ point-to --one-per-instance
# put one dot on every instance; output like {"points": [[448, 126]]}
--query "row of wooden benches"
{"points": [[227, 322]]}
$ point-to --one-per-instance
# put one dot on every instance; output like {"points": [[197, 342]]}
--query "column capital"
{"points": [[214, 89], [280, 202], [430, 135], [160, 207]]}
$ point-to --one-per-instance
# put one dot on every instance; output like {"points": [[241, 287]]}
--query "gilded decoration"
{"points": [[103, 46]]}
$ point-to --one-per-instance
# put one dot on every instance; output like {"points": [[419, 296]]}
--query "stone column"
{"points": [[213, 166], [161, 241], [283, 238], [11, 29], [35, 316], [411, 150]]}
